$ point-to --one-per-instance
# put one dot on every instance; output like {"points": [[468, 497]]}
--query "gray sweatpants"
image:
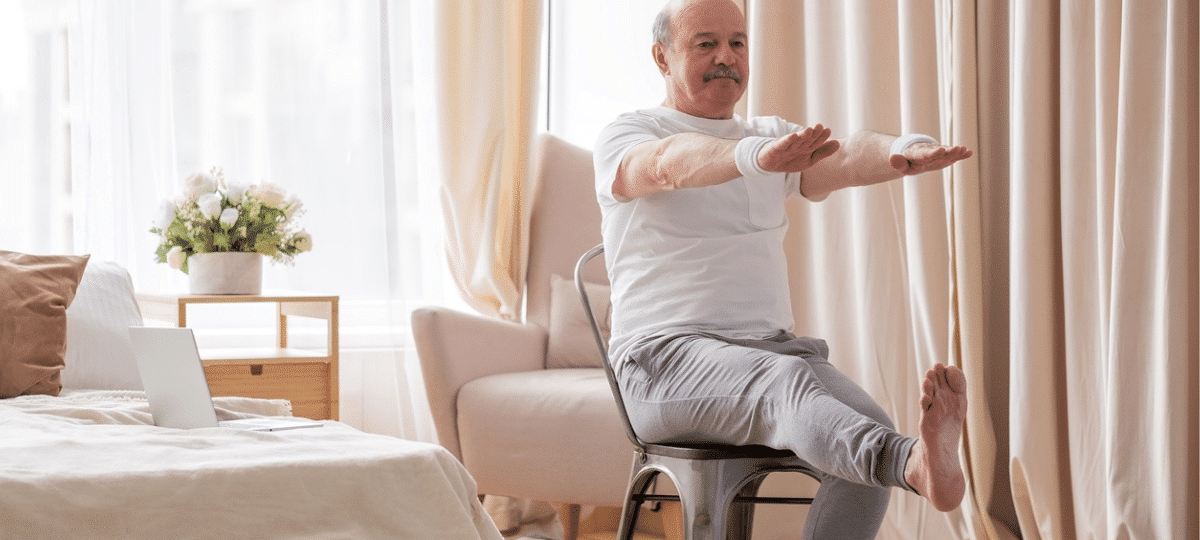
{"points": [[781, 392]]}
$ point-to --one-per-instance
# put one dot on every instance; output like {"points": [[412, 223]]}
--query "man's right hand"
{"points": [[797, 151]]}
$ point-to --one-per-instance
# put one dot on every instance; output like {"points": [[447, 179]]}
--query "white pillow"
{"points": [[571, 341], [99, 352]]}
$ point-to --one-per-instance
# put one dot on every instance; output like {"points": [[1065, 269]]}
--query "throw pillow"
{"points": [[571, 343], [35, 291], [99, 351]]}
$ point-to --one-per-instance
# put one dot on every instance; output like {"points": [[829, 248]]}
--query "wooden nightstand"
{"points": [[309, 379]]}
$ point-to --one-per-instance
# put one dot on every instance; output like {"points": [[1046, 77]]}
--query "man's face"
{"points": [[706, 65]]}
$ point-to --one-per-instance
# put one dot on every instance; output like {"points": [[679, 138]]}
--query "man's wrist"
{"points": [[904, 141], [745, 156]]}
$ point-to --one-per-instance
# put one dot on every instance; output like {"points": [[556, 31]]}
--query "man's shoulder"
{"points": [[634, 125], [652, 116]]}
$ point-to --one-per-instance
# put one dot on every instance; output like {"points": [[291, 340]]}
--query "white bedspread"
{"points": [[92, 465]]}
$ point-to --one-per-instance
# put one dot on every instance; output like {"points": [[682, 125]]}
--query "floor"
{"points": [[598, 524]]}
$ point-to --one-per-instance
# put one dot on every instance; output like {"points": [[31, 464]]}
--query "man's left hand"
{"points": [[924, 157]]}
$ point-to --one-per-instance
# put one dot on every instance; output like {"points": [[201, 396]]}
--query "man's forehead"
{"points": [[709, 34], [714, 18]]}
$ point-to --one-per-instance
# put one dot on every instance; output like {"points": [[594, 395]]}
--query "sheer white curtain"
{"points": [[315, 95]]}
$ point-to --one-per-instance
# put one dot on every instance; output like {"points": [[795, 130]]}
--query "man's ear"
{"points": [[660, 58]]}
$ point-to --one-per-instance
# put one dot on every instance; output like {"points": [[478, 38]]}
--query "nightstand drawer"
{"points": [[305, 384]]}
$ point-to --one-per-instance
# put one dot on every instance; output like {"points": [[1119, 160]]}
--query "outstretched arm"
{"points": [[688, 160], [865, 158]]}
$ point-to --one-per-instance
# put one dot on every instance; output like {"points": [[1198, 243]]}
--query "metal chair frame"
{"points": [[717, 484]]}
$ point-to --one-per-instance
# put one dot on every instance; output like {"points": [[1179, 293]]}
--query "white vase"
{"points": [[225, 273]]}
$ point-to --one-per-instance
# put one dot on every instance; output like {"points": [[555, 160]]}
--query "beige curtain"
{"points": [[870, 267], [1058, 267], [485, 79], [1102, 267]]}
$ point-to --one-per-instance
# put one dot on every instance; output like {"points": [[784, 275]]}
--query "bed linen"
{"points": [[91, 464]]}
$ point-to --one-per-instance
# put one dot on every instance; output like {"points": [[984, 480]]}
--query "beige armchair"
{"points": [[509, 399]]}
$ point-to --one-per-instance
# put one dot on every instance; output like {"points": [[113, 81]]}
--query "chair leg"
{"points": [[638, 485], [568, 515], [699, 494], [741, 515]]}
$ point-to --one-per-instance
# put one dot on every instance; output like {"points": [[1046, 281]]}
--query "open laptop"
{"points": [[177, 389]]}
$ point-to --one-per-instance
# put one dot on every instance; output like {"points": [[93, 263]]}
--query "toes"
{"points": [[956, 380]]}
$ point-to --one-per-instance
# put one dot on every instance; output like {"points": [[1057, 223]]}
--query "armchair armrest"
{"points": [[455, 348]]}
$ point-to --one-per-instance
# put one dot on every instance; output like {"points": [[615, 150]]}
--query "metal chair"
{"points": [[717, 484]]}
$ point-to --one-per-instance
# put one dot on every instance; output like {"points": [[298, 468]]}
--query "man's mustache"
{"points": [[723, 73]]}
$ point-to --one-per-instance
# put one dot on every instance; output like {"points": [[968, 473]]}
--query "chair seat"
{"points": [[527, 421], [716, 451]]}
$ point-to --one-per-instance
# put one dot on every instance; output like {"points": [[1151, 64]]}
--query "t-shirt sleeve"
{"points": [[614, 141]]}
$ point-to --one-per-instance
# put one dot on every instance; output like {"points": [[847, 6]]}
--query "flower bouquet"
{"points": [[213, 215]]}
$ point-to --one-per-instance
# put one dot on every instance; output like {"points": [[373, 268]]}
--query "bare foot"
{"points": [[933, 468]]}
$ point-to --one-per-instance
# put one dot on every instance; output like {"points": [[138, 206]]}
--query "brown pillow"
{"points": [[35, 291]]}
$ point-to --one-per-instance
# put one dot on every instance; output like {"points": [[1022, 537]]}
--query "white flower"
{"points": [[302, 240], [175, 258], [210, 205], [236, 192], [257, 217], [292, 204], [198, 184], [164, 216], [270, 194], [229, 217]]}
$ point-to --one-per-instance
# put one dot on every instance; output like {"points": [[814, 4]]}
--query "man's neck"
{"points": [[700, 112]]}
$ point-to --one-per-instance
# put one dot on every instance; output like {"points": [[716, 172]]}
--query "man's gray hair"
{"points": [[662, 24]]}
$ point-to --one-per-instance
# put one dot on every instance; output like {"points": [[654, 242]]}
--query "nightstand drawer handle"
{"points": [[256, 369]]}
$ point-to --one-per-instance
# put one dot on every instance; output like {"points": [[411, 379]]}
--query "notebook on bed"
{"points": [[177, 389]]}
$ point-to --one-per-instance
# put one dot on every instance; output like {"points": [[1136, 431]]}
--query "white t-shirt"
{"points": [[709, 259]]}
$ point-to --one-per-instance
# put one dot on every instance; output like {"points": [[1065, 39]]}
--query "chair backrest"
{"points": [[564, 221], [580, 268]]}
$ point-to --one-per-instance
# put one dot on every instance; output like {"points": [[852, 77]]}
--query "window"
{"points": [[106, 106], [598, 65]]}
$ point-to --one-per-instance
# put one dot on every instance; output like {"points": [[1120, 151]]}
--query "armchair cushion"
{"points": [[571, 343], [549, 421]]}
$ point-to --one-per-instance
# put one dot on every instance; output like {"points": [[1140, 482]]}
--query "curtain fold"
{"points": [[976, 304], [485, 73], [1037, 381]]}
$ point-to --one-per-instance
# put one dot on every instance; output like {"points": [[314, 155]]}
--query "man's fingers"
{"points": [[806, 140], [928, 157], [798, 150], [825, 150]]}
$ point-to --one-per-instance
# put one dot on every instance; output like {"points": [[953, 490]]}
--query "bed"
{"points": [[86, 461]]}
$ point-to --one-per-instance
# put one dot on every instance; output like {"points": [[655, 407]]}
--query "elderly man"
{"points": [[693, 204]]}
